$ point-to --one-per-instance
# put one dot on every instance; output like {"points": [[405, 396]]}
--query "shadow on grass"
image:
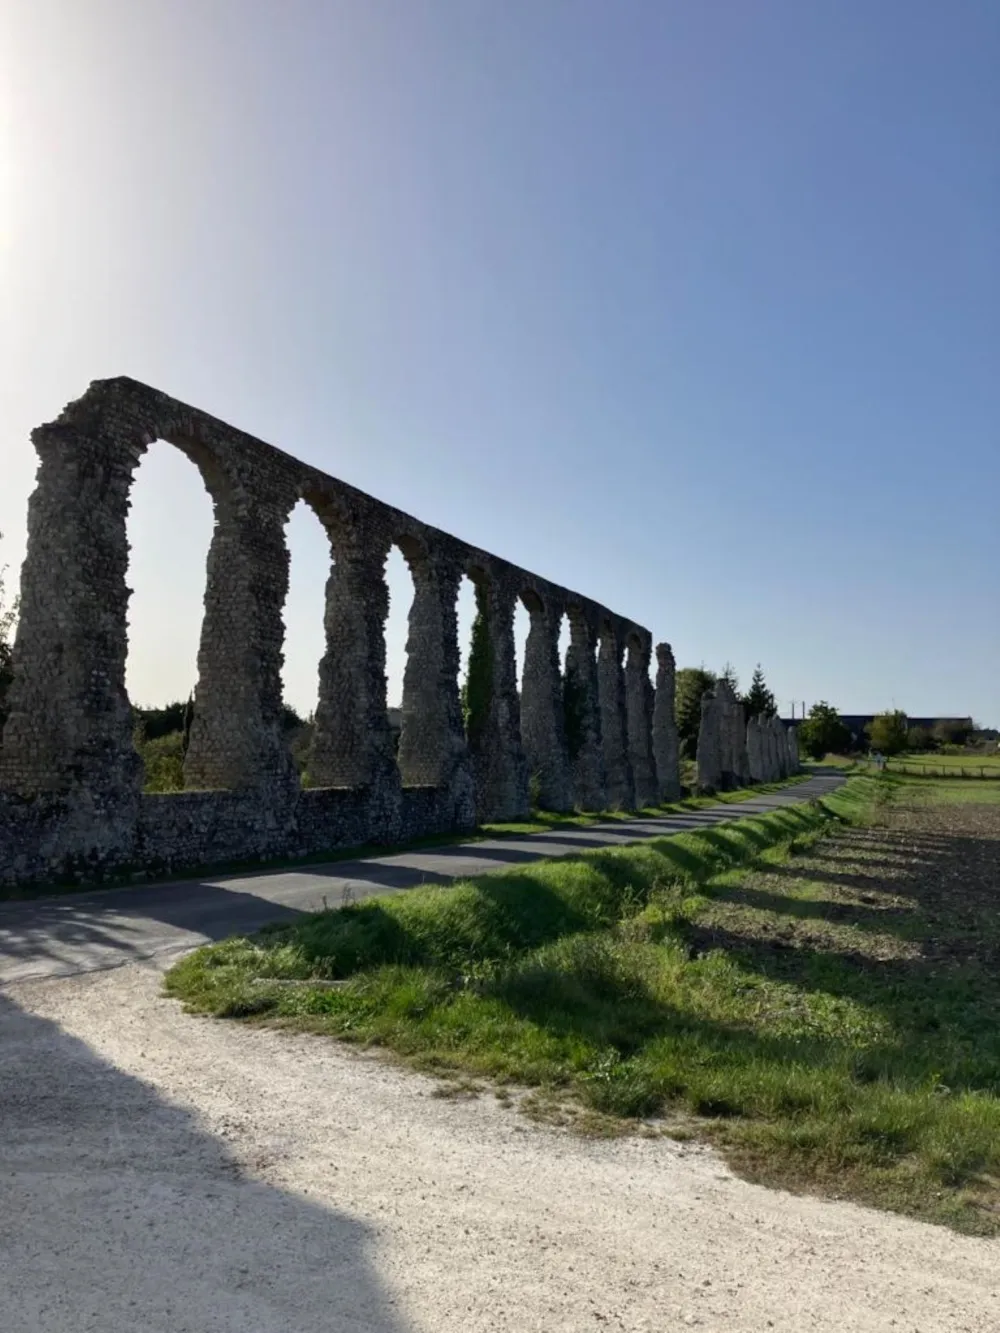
{"points": [[467, 925], [943, 1004]]}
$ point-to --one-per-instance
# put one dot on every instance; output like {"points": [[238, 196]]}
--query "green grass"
{"points": [[846, 762], [765, 983], [931, 791], [952, 759], [967, 764]]}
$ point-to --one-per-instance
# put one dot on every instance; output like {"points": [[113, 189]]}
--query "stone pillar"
{"points": [[741, 760], [639, 707], [755, 750], [432, 746], [70, 725], [236, 738], [767, 750], [770, 751], [614, 722], [710, 756], [792, 738], [352, 743], [498, 762], [774, 749], [583, 715], [781, 746], [730, 713], [666, 746], [543, 729]]}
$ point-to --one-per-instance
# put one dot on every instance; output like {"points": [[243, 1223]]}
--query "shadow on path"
{"points": [[85, 932], [118, 1212]]}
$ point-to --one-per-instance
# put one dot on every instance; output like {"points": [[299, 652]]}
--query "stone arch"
{"points": [[417, 642], [169, 530], [236, 737], [69, 735], [492, 706], [70, 724], [352, 745], [432, 747]]}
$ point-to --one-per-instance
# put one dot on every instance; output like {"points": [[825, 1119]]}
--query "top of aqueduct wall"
{"points": [[245, 472]]}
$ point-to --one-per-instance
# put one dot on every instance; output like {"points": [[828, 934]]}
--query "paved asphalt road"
{"points": [[63, 936]]}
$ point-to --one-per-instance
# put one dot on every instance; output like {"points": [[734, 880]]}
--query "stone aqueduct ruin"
{"points": [[70, 778], [71, 799]]}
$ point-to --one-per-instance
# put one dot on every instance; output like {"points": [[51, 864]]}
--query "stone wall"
{"points": [[723, 762], [733, 754], [710, 757], [71, 804]]}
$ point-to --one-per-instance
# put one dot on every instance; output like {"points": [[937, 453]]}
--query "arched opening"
{"points": [[310, 560], [169, 530], [466, 610], [563, 642], [399, 581], [522, 628]]}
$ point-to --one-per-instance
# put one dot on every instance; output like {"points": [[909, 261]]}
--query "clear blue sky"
{"points": [[693, 306]]}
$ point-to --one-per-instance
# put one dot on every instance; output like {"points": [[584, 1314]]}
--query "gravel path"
{"points": [[162, 1172]]}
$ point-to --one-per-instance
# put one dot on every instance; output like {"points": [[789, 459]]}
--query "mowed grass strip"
{"points": [[973, 760], [966, 765], [756, 983]]}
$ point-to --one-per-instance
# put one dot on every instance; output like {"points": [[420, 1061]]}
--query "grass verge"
{"points": [[822, 1008]]}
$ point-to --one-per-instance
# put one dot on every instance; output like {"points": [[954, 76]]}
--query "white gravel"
{"points": [[161, 1172]]}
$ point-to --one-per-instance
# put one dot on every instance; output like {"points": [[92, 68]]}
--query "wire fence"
{"points": [[976, 772]]}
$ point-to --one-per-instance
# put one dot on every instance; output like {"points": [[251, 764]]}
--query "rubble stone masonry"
{"points": [[71, 799]]}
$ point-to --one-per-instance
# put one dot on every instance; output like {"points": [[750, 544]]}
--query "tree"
{"points": [[157, 722], [823, 732], [758, 700], [953, 731], [691, 684], [730, 677], [477, 688], [919, 738], [8, 615], [888, 732]]}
